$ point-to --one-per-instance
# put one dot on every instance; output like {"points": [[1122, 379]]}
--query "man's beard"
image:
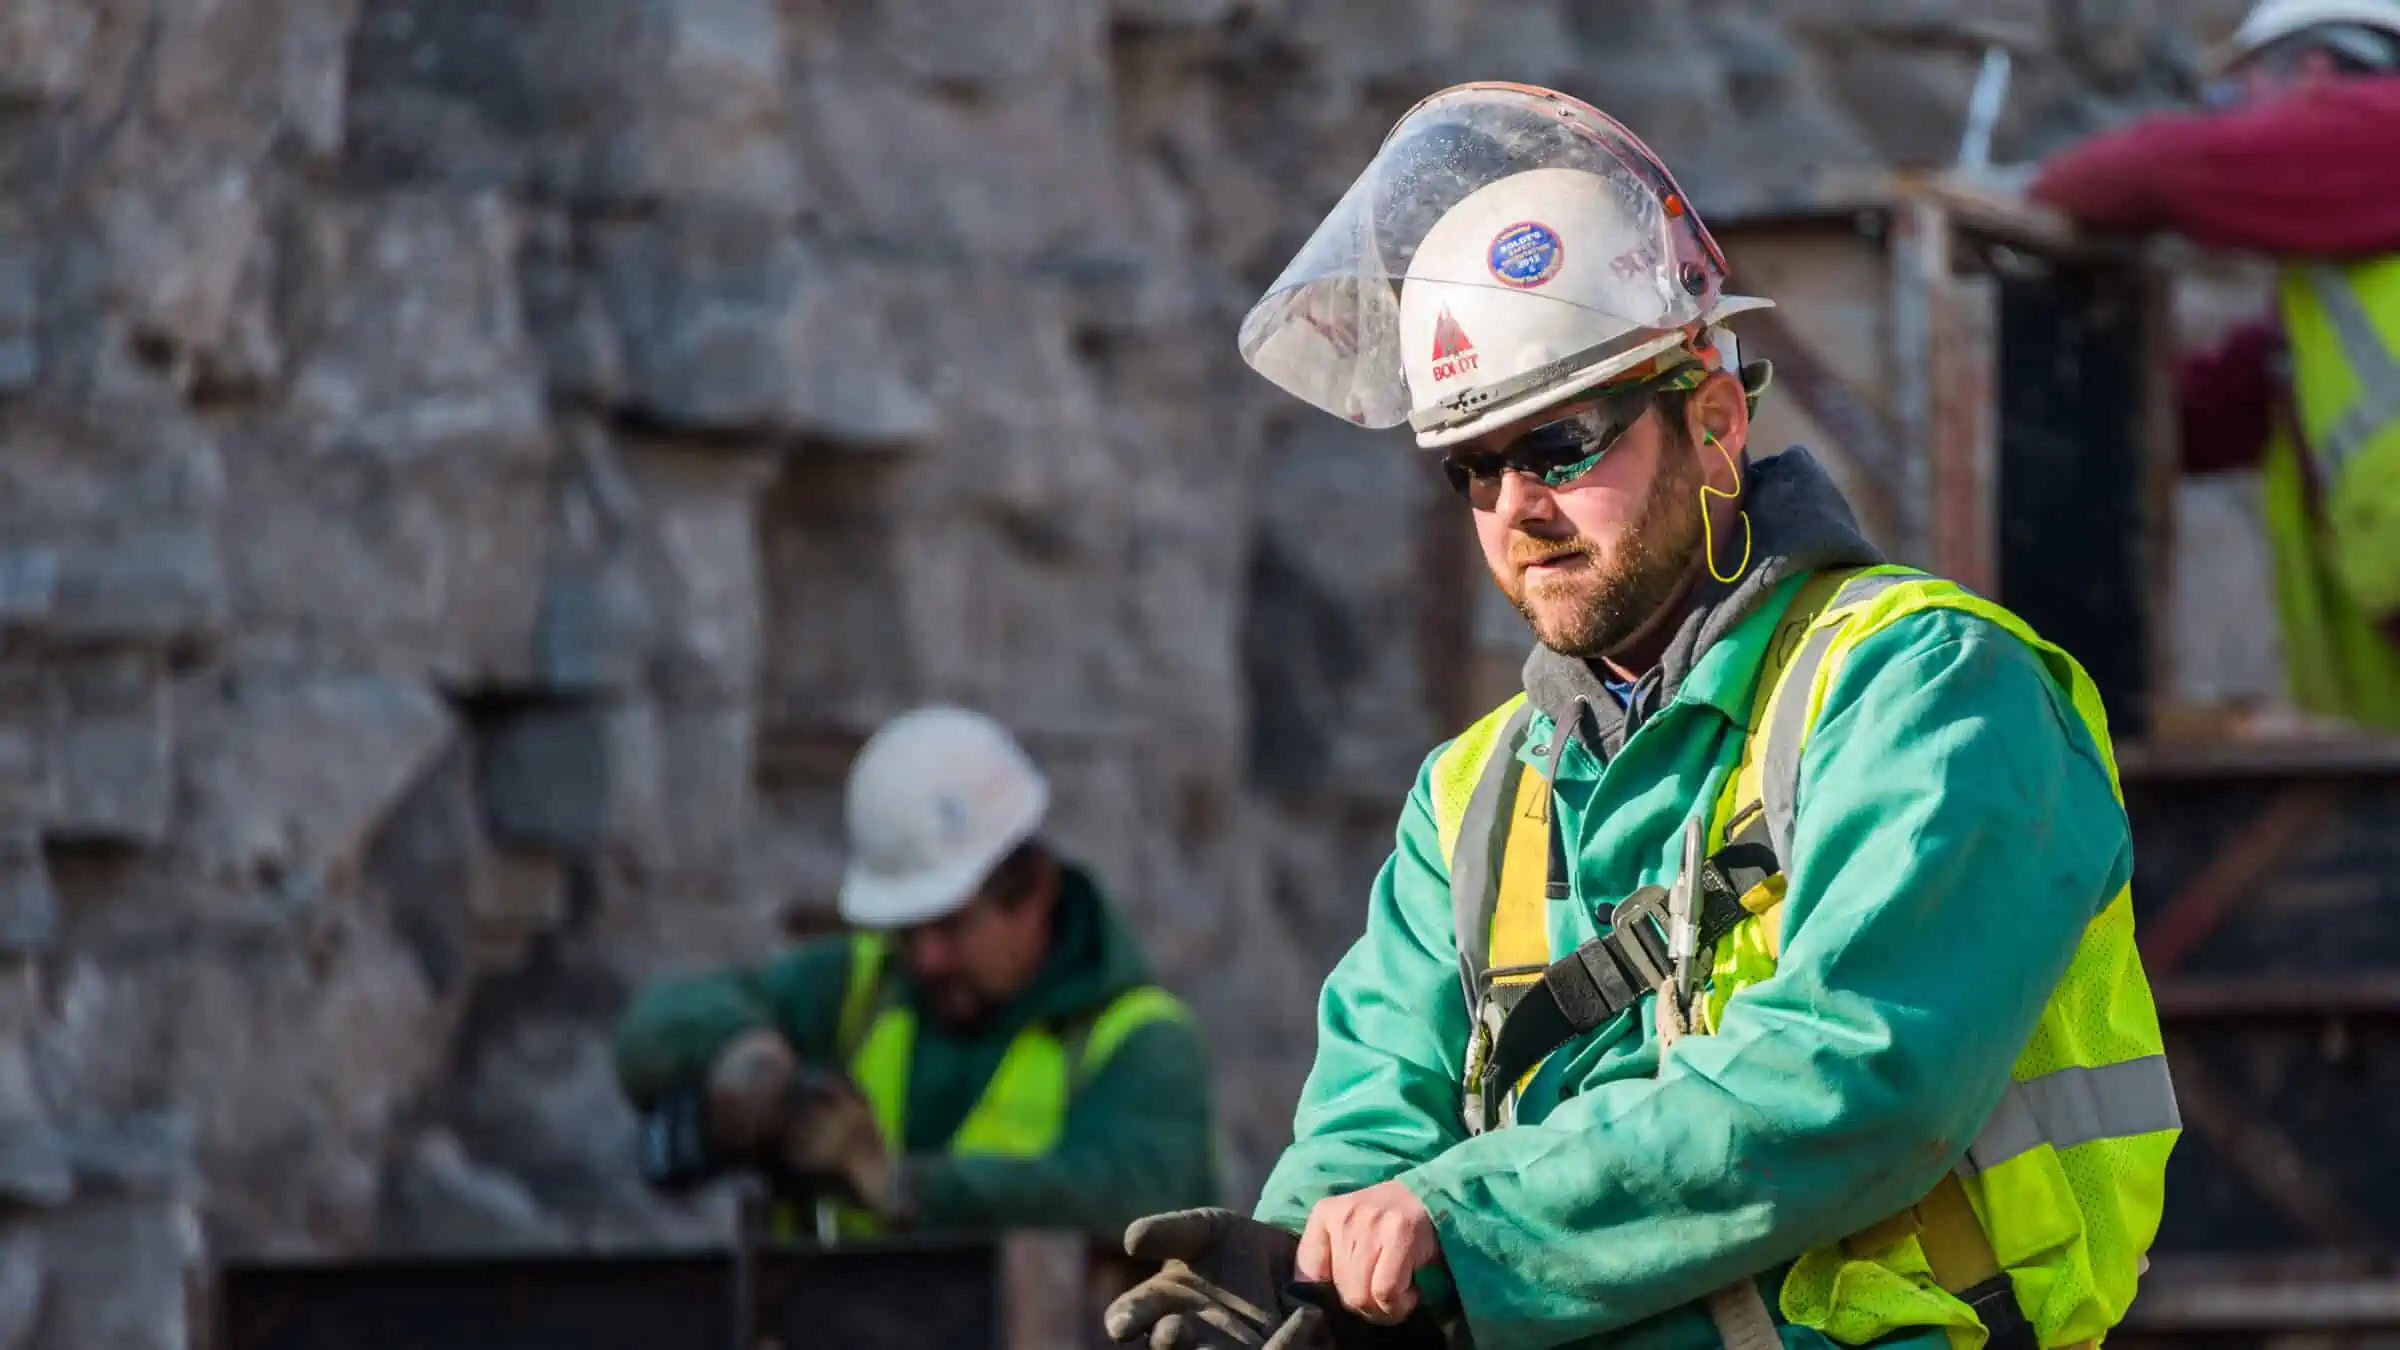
{"points": [[953, 1003], [1594, 609]]}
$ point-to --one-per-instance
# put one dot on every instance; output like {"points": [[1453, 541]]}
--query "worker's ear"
{"points": [[1718, 409]]}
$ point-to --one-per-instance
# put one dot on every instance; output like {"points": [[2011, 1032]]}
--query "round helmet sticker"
{"points": [[1526, 254]]}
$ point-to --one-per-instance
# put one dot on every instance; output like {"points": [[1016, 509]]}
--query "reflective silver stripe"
{"points": [[2372, 363], [2076, 1106], [1779, 774], [1475, 858]]}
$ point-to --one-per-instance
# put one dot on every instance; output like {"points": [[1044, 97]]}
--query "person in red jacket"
{"points": [[2298, 158]]}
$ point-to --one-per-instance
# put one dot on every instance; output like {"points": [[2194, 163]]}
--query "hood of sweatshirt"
{"points": [[1799, 523]]}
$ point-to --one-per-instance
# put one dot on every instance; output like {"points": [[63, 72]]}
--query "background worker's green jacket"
{"points": [[1138, 1137], [1955, 835]]}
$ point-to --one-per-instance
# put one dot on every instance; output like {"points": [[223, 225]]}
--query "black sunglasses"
{"points": [[1562, 450]]}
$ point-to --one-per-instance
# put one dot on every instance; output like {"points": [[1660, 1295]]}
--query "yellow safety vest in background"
{"points": [[2064, 1187], [2338, 568], [1023, 1109]]}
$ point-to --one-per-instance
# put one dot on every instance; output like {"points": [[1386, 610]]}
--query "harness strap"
{"points": [[1598, 980]]}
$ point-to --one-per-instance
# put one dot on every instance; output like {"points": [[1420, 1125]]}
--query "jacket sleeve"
{"points": [[1139, 1139], [671, 1031], [2228, 399], [1956, 836], [1382, 1095], [2287, 175]]}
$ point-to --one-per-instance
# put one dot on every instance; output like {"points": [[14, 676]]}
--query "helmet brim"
{"points": [[1582, 381]]}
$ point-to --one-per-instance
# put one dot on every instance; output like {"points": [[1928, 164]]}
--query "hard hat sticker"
{"points": [[1526, 254], [1453, 354]]}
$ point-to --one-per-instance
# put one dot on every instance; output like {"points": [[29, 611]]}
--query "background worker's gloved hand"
{"points": [[809, 1131], [827, 1143], [1224, 1285]]}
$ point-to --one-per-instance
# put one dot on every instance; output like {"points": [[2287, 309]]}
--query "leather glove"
{"points": [[808, 1130], [827, 1143], [1222, 1287]]}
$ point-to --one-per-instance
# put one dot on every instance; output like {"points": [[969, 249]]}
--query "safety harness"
{"points": [[1509, 866]]}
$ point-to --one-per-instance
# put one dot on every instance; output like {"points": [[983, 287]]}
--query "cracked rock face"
{"points": [[472, 472]]}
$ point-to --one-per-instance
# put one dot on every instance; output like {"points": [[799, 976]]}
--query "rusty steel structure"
{"points": [[1994, 394]]}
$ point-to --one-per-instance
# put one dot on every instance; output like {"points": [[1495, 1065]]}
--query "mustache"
{"points": [[1524, 550]]}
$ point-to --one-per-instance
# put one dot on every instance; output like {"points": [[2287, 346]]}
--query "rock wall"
{"points": [[472, 471]]}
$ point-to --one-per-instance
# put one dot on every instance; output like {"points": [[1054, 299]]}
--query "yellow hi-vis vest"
{"points": [[1023, 1109], [2337, 568], [2062, 1189]]}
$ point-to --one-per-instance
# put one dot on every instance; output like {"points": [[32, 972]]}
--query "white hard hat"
{"points": [[2271, 21], [1571, 262], [936, 798], [1508, 248]]}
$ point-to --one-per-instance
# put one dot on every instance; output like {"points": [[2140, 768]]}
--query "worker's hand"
{"points": [[827, 1142], [1369, 1245], [1221, 1286], [811, 1131]]}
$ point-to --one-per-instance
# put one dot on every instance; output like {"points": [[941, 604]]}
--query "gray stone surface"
{"points": [[111, 747], [115, 1273], [286, 773], [28, 906], [439, 1201], [472, 473], [732, 325], [20, 1290]]}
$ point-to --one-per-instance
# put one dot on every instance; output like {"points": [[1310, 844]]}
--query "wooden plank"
{"points": [[2161, 452], [1920, 252], [1962, 435]]}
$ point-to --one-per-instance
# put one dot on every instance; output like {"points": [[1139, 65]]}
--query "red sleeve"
{"points": [[2313, 172], [2227, 397]]}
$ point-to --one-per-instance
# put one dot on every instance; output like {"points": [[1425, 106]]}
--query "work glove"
{"points": [[809, 1131], [827, 1143], [1222, 1286], [1227, 1281]]}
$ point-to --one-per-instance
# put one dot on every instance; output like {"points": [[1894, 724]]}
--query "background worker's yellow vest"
{"points": [[2063, 1188], [2338, 567], [1023, 1109]]}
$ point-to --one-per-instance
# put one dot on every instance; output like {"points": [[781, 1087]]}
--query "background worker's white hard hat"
{"points": [[936, 798], [2273, 20]]}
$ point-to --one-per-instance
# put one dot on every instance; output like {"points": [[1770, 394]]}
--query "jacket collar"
{"points": [[1800, 523]]}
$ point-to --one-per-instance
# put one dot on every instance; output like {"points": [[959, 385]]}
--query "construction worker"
{"points": [[1763, 973], [1017, 1065], [2296, 162]]}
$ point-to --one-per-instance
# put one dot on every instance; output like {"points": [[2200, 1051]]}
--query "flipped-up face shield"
{"points": [[1506, 246]]}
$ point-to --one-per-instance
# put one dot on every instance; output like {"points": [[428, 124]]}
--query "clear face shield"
{"points": [[1504, 242]]}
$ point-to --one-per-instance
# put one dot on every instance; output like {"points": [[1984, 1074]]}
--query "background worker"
{"points": [[2299, 160], [1763, 974], [992, 1008]]}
